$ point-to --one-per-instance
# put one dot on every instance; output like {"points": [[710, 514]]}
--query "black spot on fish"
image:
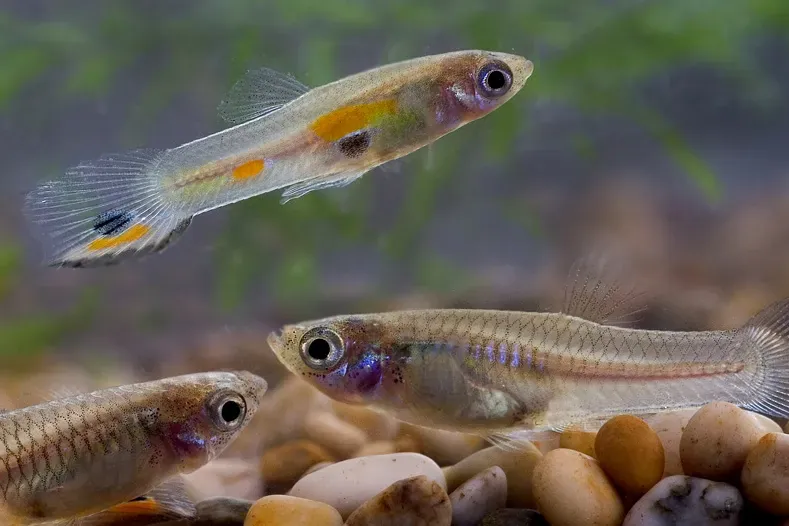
{"points": [[355, 144], [112, 222]]}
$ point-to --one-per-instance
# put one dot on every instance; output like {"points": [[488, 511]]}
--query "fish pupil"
{"points": [[230, 411], [355, 144], [112, 222], [319, 349], [496, 80]]}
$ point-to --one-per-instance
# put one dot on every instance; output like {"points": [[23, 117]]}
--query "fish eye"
{"points": [[227, 410], [494, 79], [321, 348]]}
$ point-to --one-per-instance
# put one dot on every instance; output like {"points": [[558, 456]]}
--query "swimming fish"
{"points": [[512, 376], [284, 136], [90, 458]]}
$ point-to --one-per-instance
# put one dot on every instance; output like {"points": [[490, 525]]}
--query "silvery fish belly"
{"points": [[284, 136], [514, 374], [75, 457]]}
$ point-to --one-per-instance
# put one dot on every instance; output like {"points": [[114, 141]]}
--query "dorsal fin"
{"points": [[259, 92], [600, 289]]}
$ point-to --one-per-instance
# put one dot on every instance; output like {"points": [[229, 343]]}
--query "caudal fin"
{"points": [[105, 211], [766, 336]]}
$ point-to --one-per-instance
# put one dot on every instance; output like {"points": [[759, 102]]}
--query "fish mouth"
{"points": [[274, 340]]}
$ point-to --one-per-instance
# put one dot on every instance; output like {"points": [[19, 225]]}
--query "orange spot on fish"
{"points": [[132, 234], [249, 169], [146, 506], [337, 124]]}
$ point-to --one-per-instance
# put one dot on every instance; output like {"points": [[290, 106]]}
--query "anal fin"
{"points": [[337, 180]]}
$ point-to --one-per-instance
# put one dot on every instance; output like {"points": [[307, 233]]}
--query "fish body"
{"points": [[505, 374], [286, 136], [74, 457]]}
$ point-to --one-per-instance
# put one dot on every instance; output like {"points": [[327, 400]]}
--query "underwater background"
{"points": [[659, 127]]}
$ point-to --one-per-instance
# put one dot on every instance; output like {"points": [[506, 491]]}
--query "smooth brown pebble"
{"points": [[631, 453], [381, 447], [415, 501], [669, 427], [514, 517], [570, 486], [765, 475], [581, 441], [408, 444], [716, 441], [284, 510], [478, 496], [283, 465], [517, 464], [445, 447], [377, 426], [336, 435]]}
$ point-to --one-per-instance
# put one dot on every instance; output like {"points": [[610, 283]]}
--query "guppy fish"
{"points": [[67, 461], [510, 376], [285, 135]]}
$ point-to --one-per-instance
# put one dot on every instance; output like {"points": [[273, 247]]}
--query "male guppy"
{"points": [[285, 136], [510, 375], [67, 460]]}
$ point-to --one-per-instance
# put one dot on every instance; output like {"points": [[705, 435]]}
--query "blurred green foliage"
{"points": [[587, 57]]}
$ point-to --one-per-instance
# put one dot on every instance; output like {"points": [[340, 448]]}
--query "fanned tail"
{"points": [[766, 336], [105, 211]]}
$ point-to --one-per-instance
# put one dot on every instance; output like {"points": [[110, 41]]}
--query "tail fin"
{"points": [[105, 211], [767, 334]]}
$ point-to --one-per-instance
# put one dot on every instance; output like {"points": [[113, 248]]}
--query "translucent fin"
{"points": [[600, 290], [259, 92], [333, 181], [767, 334], [105, 210], [167, 502], [520, 439]]}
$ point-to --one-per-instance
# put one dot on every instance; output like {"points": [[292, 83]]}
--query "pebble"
{"points": [[445, 447], [514, 517], [226, 477], [283, 465], [348, 484], [631, 453], [380, 447], [221, 511], [377, 426], [716, 441], [765, 475], [479, 496], [669, 427], [316, 467], [518, 465], [415, 501], [768, 424], [336, 435], [582, 441], [283, 510], [687, 500], [569, 485]]}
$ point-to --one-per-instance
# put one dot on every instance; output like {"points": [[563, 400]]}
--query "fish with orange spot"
{"points": [[284, 136], [509, 375], [117, 454]]}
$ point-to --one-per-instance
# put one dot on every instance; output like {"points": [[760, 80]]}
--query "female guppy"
{"points": [[69, 460], [511, 375], [285, 136]]}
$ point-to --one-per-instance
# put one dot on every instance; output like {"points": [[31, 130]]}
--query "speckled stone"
{"points": [[687, 500], [284, 510], [765, 476], [478, 496], [416, 501]]}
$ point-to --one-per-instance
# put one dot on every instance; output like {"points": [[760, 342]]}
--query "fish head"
{"points": [[201, 414], [343, 357], [474, 83]]}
